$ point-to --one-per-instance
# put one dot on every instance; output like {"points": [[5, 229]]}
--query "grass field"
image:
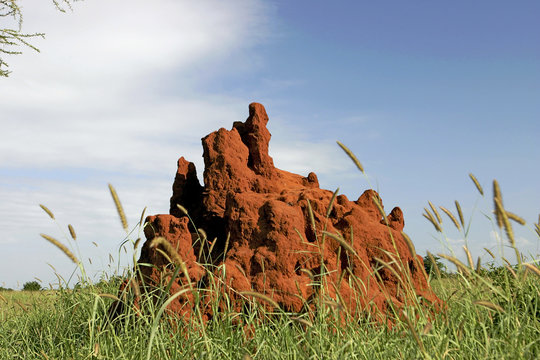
{"points": [[492, 312], [72, 324]]}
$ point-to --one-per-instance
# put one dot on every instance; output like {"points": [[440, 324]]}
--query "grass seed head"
{"points": [[61, 246], [352, 156], [477, 184], [49, 212], [119, 207], [72, 232]]}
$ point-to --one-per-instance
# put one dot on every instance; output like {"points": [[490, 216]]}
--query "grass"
{"points": [[492, 312]]}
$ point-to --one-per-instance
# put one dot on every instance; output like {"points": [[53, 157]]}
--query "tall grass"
{"points": [[492, 312]]}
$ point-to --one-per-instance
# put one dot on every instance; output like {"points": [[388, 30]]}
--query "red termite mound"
{"points": [[271, 232]]}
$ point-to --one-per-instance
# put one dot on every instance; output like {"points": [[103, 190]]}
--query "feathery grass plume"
{"points": [[61, 246], [497, 196], [311, 216], [461, 266], [203, 233], [427, 328], [182, 209], [432, 220], [489, 305], [469, 257], [4, 299], [516, 218], [489, 252], [511, 271], [142, 216], [380, 208], [226, 245], [439, 219], [72, 232], [173, 253], [460, 214], [532, 268], [352, 156], [451, 216], [331, 204], [95, 243], [410, 244], [136, 243], [478, 265], [341, 241], [434, 263], [537, 226], [506, 223], [302, 321], [477, 184], [261, 296], [110, 296], [308, 273], [49, 212], [119, 207]]}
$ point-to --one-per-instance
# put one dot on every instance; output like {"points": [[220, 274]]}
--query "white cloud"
{"points": [[111, 98]]}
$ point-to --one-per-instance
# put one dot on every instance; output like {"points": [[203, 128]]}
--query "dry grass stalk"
{"points": [[489, 305], [413, 332], [257, 295], [477, 184], [136, 243], [434, 209], [341, 241], [532, 268], [469, 257], [61, 246], [119, 207], [478, 265], [352, 156], [434, 264], [537, 226], [460, 214], [461, 266], [451, 216], [497, 196], [49, 212], [515, 218], [489, 252]]}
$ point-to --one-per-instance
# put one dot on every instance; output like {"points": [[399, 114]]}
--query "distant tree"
{"points": [[5, 289], [429, 266], [31, 286], [12, 39]]}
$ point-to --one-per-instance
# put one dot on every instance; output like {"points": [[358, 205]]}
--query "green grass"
{"points": [[73, 324], [492, 313]]}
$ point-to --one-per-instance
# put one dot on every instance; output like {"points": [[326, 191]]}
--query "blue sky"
{"points": [[423, 92]]}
